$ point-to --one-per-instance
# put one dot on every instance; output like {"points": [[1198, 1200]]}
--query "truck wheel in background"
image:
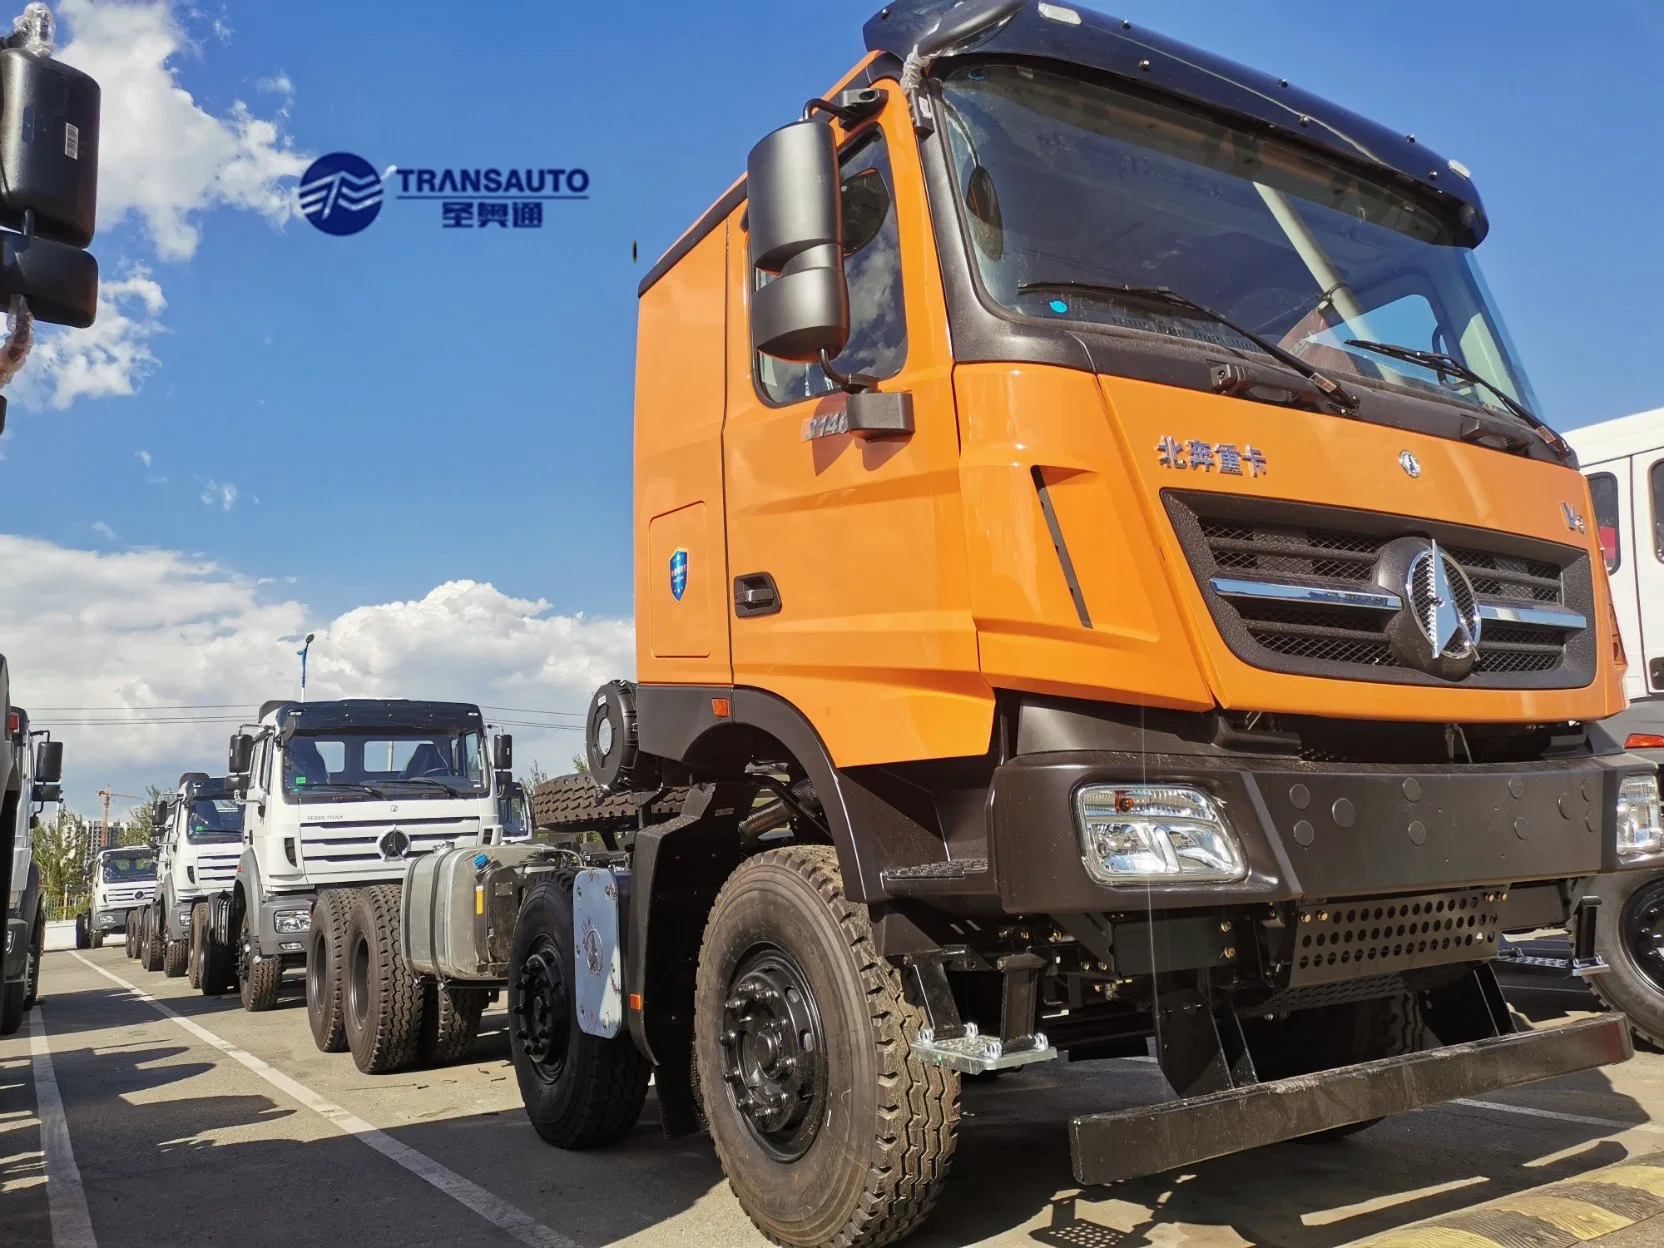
{"points": [[450, 1022], [11, 1007], [1629, 934], [130, 936], [325, 954], [199, 927], [83, 931], [258, 978], [176, 957], [150, 942], [829, 1128], [219, 962], [383, 1000], [95, 934], [580, 1090], [31, 975]]}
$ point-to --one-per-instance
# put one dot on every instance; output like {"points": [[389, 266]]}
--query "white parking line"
{"points": [[521, 1225], [66, 1199], [1525, 1111]]}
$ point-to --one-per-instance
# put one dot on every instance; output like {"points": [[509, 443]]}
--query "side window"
{"points": [[1655, 484], [1603, 486], [872, 264]]}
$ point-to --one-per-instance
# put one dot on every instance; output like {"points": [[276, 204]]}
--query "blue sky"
{"points": [[412, 406]]}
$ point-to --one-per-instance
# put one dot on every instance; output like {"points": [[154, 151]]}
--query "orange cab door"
{"points": [[849, 554]]}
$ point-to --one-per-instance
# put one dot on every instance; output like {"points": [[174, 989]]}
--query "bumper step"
{"points": [[1151, 1139]]}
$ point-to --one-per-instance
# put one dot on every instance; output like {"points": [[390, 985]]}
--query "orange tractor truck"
{"points": [[1102, 588]]}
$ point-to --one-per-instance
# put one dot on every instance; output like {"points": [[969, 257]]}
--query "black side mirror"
{"points": [[60, 283], [800, 306], [241, 754], [159, 813], [49, 763], [503, 755], [47, 793]]}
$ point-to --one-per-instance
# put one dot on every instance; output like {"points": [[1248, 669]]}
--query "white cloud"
{"points": [[221, 492], [161, 155], [277, 84], [110, 357], [144, 457], [154, 628], [104, 531]]}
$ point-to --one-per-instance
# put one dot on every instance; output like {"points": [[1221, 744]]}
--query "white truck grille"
{"points": [[216, 868], [378, 848]]}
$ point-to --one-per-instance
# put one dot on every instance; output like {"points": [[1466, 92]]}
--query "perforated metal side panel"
{"points": [[1383, 936], [599, 897]]}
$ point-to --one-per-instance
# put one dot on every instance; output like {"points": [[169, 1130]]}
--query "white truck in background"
{"points": [[36, 766], [337, 797], [123, 882], [199, 839]]}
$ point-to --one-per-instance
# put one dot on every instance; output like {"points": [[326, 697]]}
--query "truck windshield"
{"points": [[126, 868], [355, 766], [1070, 189], [214, 819]]}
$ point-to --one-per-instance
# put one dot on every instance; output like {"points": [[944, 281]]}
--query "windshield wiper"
{"points": [[1449, 366], [428, 780], [1338, 395], [304, 789]]}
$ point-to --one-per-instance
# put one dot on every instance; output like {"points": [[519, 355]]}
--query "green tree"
{"points": [[140, 826], [63, 850]]}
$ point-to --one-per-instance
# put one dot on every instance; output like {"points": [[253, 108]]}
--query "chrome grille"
{"points": [[1300, 588]]}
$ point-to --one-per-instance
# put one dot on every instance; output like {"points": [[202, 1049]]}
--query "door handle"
{"points": [[755, 595]]}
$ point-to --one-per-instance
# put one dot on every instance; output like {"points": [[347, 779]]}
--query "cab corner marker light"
{"points": [[1639, 816], [635, 1002], [1644, 741], [1154, 834], [722, 708], [1058, 13]]}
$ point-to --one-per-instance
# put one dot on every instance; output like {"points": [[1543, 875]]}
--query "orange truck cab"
{"points": [[1101, 581]]}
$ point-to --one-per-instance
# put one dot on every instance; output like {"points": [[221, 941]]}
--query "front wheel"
{"points": [[1629, 934], [151, 942], [829, 1128], [130, 935], [83, 932], [580, 1091], [325, 953], [11, 1007], [258, 978]]}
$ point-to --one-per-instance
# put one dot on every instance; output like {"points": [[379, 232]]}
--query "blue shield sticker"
{"points": [[679, 573]]}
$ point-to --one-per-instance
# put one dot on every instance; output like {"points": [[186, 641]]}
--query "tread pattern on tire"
{"points": [[150, 943], [450, 1022], [919, 1115], [176, 958], [394, 1027], [199, 921], [612, 1078], [265, 977], [329, 920], [573, 803]]}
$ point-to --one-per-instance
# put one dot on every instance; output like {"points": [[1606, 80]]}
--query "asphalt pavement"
{"points": [[134, 1111]]}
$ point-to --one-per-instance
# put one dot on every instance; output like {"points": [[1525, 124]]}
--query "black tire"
{"points": [[382, 999], [450, 1022], [199, 934], [176, 958], [572, 804], [83, 932], [1629, 934], [31, 973], [784, 949], [1329, 1036], [258, 978], [95, 937], [580, 1091], [11, 1007], [150, 942], [219, 962], [325, 956], [130, 937]]}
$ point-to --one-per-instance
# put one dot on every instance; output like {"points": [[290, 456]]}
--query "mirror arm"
{"points": [[851, 107], [849, 383]]}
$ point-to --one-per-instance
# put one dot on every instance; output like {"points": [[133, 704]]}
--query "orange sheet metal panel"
{"points": [[681, 559], [1137, 650], [1323, 459], [865, 540]]}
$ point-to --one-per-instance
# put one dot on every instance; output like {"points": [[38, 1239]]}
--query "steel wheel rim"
{"points": [[542, 1010], [1642, 929], [245, 951], [774, 1052]]}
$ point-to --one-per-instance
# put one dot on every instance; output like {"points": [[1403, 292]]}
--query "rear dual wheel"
{"points": [[382, 999]]}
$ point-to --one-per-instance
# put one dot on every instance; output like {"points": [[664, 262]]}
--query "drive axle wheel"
{"points": [[1629, 934], [830, 1130], [325, 946], [383, 1000], [580, 1090], [450, 1022]]}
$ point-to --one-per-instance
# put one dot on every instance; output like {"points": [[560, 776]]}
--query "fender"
{"points": [[227, 908]]}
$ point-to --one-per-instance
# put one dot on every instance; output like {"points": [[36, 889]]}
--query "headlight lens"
{"points": [[1640, 819], [1142, 833], [289, 922]]}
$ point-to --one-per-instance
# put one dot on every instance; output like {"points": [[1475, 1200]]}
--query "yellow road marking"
{"points": [[1430, 1237], [1647, 1178], [1575, 1217]]}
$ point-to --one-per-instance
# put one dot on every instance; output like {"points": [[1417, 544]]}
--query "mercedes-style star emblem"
{"points": [[1446, 608], [394, 844], [1409, 463]]}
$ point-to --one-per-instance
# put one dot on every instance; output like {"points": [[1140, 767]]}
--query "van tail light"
{"points": [[1644, 741]]}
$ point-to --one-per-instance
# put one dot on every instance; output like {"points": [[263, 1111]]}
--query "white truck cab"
{"points": [[199, 841], [123, 879], [338, 796]]}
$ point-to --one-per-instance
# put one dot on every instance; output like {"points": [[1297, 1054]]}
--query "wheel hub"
{"points": [[543, 1017], [774, 1052]]}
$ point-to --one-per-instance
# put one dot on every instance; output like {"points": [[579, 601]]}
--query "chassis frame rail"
{"points": [[1151, 1139]]}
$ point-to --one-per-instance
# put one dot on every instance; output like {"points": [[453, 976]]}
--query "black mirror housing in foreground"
{"points": [[49, 762], [240, 755], [796, 226], [60, 282], [503, 756]]}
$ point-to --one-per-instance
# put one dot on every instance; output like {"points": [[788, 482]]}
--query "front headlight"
{"points": [[185, 915], [1640, 819], [290, 922], [1131, 833]]}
